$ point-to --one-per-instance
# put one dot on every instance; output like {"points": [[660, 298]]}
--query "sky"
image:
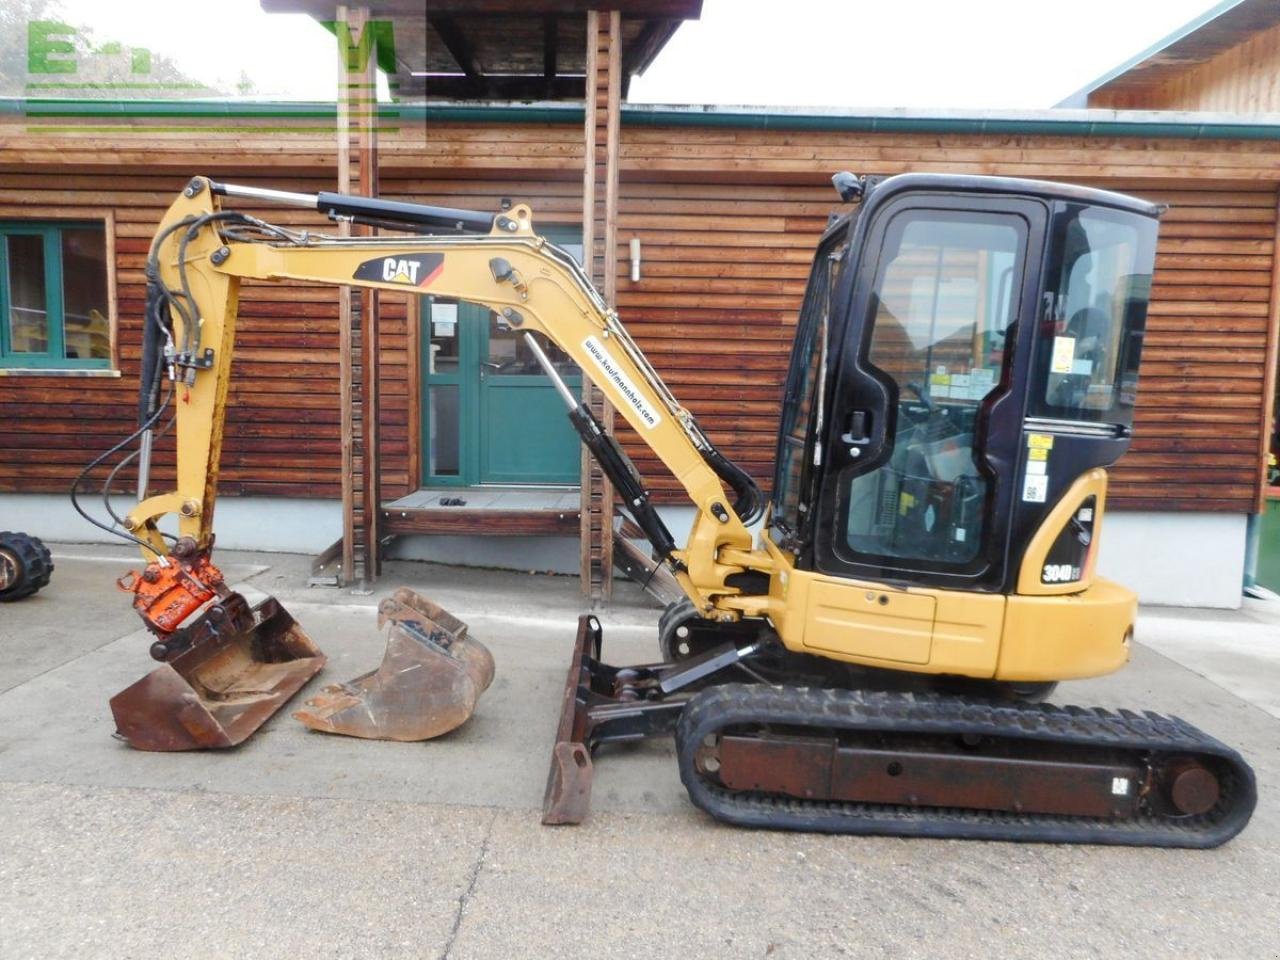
{"points": [[922, 54], [974, 54]]}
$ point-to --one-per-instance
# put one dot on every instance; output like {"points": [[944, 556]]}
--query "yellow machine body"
{"points": [[1042, 634], [1038, 632]]}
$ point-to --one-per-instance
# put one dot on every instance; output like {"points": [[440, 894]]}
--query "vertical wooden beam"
{"points": [[600, 239], [588, 255], [610, 266], [1270, 372], [371, 347], [358, 154], [345, 398]]}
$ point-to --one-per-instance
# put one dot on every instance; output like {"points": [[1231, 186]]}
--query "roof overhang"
{"points": [[1220, 28], [501, 49]]}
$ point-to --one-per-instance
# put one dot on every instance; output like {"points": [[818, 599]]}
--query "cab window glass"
{"points": [[942, 316], [801, 411], [1090, 336]]}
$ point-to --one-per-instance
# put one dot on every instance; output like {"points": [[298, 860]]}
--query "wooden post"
{"points": [[599, 242], [345, 398], [358, 358], [370, 380]]}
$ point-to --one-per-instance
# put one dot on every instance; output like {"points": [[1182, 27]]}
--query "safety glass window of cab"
{"points": [[1093, 316], [802, 414], [945, 302]]}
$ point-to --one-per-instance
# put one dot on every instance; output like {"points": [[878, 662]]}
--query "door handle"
{"points": [[858, 429]]}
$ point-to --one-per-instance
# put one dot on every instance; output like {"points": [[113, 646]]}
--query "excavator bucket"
{"points": [[241, 666], [430, 678]]}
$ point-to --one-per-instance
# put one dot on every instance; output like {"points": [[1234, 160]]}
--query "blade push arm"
{"points": [[533, 285]]}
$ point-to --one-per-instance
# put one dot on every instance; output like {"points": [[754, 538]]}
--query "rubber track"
{"points": [[732, 705]]}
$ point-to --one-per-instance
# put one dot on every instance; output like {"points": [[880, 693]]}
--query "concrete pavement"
{"points": [[300, 844]]}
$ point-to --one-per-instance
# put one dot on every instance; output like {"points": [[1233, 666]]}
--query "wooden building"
{"points": [[1226, 60], [727, 205]]}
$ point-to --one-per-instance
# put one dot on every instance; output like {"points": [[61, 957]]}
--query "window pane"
{"points": [[443, 428], [1102, 284], [86, 331], [943, 310], [28, 320], [445, 338], [799, 418]]}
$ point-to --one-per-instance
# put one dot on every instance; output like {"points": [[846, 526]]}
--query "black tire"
{"points": [[25, 566]]}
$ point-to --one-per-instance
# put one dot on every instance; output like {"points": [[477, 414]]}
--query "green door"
{"points": [[490, 414]]}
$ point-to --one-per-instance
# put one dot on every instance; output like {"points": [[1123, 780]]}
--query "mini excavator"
{"points": [[874, 659]]}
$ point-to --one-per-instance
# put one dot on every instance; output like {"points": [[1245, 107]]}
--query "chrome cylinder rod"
{"points": [[307, 200], [144, 464], [549, 369]]}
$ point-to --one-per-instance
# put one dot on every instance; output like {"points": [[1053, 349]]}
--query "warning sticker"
{"points": [[1064, 355], [940, 385], [1040, 441], [1035, 488], [1038, 453]]}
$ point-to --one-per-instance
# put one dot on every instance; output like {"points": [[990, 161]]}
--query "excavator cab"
{"points": [[967, 351]]}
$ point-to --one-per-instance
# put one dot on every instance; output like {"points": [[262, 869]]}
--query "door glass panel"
{"points": [[87, 331], [509, 353], [443, 430], [943, 304], [801, 419], [28, 318], [1087, 356], [444, 348]]}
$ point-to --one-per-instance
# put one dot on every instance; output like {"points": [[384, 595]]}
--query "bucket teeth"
{"points": [[428, 683]]}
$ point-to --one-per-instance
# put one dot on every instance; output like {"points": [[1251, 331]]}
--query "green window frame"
{"points": [[54, 356]]}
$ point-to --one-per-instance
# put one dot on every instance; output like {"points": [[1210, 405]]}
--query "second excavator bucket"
{"points": [[430, 678], [242, 665]]}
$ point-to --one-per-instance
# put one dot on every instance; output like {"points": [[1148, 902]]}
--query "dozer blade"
{"points": [[430, 678], [241, 667]]}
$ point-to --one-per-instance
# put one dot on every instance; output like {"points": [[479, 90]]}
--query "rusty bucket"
{"points": [[242, 665], [428, 683]]}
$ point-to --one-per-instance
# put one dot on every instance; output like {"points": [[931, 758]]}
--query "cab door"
{"points": [[923, 438]]}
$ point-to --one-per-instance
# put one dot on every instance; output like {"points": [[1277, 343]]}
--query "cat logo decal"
{"points": [[418, 270]]}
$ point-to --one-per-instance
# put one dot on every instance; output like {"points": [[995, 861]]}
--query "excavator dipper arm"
{"points": [[532, 284], [227, 667]]}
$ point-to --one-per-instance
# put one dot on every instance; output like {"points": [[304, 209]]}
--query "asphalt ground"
{"points": [[301, 844]]}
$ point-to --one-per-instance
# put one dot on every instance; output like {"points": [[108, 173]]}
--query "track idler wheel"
{"points": [[1191, 788], [25, 566]]}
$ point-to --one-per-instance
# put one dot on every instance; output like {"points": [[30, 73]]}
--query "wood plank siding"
{"points": [[728, 218], [1244, 78]]}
